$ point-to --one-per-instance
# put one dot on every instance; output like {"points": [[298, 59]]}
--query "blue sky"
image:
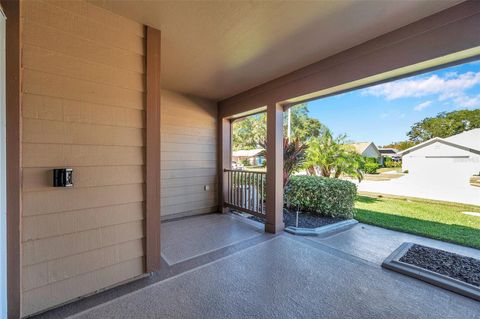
{"points": [[384, 113]]}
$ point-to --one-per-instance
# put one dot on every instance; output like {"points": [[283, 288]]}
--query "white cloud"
{"points": [[450, 75], [466, 101], [422, 105], [449, 86]]}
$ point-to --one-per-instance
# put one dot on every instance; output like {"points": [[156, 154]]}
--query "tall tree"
{"points": [[251, 132], [445, 124], [402, 145], [302, 125]]}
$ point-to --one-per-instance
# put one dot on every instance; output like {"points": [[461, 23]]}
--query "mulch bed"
{"points": [[456, 266], [305, 220]]}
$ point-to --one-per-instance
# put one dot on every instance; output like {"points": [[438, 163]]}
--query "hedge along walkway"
{"points": [[437, 220]]}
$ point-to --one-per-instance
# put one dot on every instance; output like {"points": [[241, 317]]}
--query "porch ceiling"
{"points": [[218, 49]]}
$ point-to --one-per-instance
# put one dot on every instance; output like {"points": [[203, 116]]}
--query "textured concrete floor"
{"points": [[188, 238], [375, 244], [288, 277]]}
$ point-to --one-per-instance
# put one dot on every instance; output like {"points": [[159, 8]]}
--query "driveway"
{"points": [[445, 189]]}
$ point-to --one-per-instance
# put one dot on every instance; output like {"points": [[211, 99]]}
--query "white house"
{"points": [[367, 149], [389, 152], [455, 158], [254, 157]]}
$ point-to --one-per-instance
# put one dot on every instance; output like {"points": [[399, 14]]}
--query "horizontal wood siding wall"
{"points": [[83, 100], [189, 155]]}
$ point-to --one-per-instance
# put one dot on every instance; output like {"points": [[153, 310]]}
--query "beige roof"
{"points": [[360, 147], [247, 153], [216, 49]]}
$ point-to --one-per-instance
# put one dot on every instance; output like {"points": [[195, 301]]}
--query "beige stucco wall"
{"points": [[189, 158], [83, 107]]}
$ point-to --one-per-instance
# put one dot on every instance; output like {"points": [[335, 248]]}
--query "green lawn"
{"points": [[443, 221]]}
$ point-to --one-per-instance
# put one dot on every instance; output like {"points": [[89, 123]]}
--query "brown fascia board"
{"points": [[434, 36]]}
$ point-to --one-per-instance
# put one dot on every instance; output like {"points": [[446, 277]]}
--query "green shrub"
{"points": [[371, 168], [370, 160], [391, 164], [245, 162], [322, 195]]}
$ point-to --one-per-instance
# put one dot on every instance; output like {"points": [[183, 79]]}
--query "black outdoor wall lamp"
{"points": [[62, 177]]}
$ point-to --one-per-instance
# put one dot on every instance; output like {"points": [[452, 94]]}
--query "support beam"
{"points": [[152, 214], [225, 159], [274, 222], [13, 156]]}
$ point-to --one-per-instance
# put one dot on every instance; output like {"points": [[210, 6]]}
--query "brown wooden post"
{"points": [[152, 214], [225, 159], [13, 156], [274, 194]]}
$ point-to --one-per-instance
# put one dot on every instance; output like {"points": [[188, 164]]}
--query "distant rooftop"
{"points": [[247, 153], [470, 139], [387, 150], [360, 147]]}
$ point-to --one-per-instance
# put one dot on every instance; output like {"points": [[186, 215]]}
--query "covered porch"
{"points": [[138, 99], [258, 275]]}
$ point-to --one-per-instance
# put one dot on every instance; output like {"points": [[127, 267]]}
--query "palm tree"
{"points": [[333, 157], [349, 163]]}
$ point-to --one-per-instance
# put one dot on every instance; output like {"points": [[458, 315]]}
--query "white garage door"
{"points": [[442, 168]]}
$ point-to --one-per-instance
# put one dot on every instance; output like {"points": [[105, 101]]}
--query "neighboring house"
{"points": [[452, 158], [389, 152], [253, 157], [368, 149]]}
